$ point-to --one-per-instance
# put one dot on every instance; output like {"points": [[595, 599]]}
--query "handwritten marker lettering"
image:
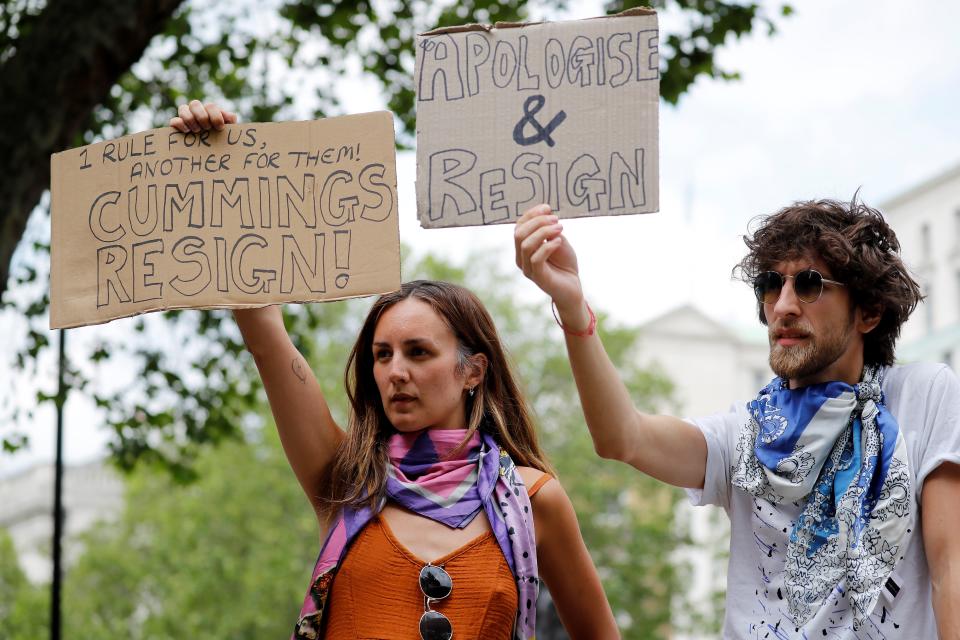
{"points": [[564, 113], [531, 107]]}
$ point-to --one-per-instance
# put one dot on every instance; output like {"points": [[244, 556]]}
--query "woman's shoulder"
{"points": [[535, 480]]}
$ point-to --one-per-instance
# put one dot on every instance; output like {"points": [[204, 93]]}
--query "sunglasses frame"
{"points": [[783, 282], [427, 600]]}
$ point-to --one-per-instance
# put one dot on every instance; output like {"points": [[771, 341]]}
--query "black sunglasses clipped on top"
{"points": [[807, 284], [436, 584]]}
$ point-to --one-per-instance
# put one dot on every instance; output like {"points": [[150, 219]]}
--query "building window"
{"points": [[956, 226], [925, 241]]}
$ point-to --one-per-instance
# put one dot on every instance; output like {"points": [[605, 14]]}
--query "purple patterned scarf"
{"points": [[422, 478]]}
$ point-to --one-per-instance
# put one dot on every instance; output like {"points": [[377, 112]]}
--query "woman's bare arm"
{"points": [[309, 435], [567, 568], [308, 432]]}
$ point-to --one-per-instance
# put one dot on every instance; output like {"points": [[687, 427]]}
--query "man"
{"points": [[842, 477]]}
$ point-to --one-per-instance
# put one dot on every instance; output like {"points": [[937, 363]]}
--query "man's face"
{"points": [[812, 342]]}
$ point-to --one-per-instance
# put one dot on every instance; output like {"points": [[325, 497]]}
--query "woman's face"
{"points": [[415, 367]]}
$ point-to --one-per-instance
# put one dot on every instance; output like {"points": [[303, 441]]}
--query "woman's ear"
{"points": [[476, 371]]}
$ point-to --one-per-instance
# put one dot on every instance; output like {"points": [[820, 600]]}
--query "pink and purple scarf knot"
{"points": [[439, 476]]}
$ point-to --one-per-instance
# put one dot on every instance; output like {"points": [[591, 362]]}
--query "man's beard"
{"points": [[814, 354]]}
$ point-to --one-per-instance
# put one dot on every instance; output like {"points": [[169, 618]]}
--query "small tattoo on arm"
{"points": [[297, 366]]}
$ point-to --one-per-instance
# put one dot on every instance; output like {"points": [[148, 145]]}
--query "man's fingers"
{"points": [[543, 252], [532, 212], [525, 228], [535, 241], [229, 117], [178, 124]]}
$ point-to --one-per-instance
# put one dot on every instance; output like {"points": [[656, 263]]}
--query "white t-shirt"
{"points": [[925, 400]]}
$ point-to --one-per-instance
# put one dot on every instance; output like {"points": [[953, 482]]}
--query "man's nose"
{"points": [[787, 304]]}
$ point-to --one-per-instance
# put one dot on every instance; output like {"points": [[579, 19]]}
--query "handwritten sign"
{"points": [[563, 113], [252, 215]]}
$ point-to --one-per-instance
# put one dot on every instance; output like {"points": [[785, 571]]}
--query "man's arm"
{"points": [[940, 509], [663, 447]]}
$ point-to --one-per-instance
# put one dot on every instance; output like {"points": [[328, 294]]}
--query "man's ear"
{"points": [[477, 370], [868, 319]]}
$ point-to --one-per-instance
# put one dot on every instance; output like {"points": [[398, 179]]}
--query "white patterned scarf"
{"points": [[839, 448]]}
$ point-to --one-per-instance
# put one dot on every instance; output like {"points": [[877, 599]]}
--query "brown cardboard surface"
{"points": [[558, 112], [252, 215]]}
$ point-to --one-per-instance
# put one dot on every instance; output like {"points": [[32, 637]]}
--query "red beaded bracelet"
{"points": [[589, 331]]}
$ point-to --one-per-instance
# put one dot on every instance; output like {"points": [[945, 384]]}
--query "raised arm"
{"points": [[307, 430], [663, 447]]}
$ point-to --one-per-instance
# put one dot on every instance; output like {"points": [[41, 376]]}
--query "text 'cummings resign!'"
{"points": [[245, 217]]}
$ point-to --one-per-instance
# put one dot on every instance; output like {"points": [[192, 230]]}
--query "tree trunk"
{"points": [[64, 65]]}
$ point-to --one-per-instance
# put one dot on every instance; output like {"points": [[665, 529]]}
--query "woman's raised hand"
{"points": [[547, 258], [196, 116]]}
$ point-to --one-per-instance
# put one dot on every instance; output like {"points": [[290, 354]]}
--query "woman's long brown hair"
{"points": [[357, 477]]}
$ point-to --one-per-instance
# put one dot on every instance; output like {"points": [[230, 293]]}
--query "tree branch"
{"points": [[64, 66]]}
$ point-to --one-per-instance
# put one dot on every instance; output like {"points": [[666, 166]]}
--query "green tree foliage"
{"points": [[229, 554], [72, 72], [23, 606]]}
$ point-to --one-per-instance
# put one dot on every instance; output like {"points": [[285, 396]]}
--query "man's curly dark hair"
{"points": [[860, 249]]}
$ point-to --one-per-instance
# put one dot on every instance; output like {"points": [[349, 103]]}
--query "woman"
{"points": [[425, 502]]}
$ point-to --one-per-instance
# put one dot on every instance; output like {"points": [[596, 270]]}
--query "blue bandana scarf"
{"points": [[839, 448]]}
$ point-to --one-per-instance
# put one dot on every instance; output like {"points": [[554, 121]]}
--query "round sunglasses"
{"points": [[435, 584], [807, 284]]}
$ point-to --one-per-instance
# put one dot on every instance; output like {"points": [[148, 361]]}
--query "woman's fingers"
{"points": [[200, 113], [188, 119], [196, 116], [215, 115]]}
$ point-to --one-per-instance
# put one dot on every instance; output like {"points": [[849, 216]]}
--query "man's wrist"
{"points": [[577, 321]]}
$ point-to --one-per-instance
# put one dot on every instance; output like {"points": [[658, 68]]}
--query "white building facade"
{"points": [[92, 492], [926, 220]]}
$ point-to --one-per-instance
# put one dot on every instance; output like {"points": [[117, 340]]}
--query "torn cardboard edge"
{"points": [[562, 112], [475, 26], [225, 306], [320, 216]]}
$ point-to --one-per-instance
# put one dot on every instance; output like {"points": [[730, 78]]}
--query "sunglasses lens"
{"points": [[808, 285], [767, 286], [435, 626], [435, 582]]}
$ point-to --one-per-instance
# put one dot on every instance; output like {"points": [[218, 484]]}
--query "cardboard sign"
{"points": [[513, 116], [252, 215]]}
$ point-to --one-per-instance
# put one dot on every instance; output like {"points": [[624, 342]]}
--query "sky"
{"points": [[845, 96]]}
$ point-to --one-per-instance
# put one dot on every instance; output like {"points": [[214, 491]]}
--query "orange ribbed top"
{"points": [[376, 594]]}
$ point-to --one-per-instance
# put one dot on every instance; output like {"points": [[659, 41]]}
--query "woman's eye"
{"points": [[381, 355]]}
